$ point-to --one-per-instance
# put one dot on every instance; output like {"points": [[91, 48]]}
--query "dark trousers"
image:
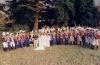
{"points": [[58, 41], [66, 41], [5, 49], [83, 41], [75, 41]]}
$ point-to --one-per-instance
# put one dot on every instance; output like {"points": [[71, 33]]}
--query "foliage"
{"points": [[23, 11], [77, 12], [85, 12], [65, 8], [23, 8]]}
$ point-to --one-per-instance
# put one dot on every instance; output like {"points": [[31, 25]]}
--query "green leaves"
{"points": [[80, 11], [87, 12]]}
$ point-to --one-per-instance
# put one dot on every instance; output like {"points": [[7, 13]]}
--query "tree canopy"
{"points": [[80, 12]]}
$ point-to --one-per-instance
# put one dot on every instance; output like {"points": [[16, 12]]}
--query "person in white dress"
{"points": [[41, 43], [48, 38]]}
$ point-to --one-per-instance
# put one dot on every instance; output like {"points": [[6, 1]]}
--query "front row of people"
{"points": [[12, 41], [72, 36]]}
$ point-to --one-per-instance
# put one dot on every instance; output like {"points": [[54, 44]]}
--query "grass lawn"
{"points": [[55, 55]]}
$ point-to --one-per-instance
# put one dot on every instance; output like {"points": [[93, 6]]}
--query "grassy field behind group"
{"points": [[55, 55]]}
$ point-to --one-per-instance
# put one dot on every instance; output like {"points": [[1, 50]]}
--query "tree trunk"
{"points": [[36, 23]]}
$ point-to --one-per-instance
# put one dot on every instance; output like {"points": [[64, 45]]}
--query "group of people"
{"points": [[84, 36], [48, 36], [11, 41]]}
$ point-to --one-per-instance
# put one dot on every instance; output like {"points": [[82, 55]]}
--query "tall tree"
{"points": [[66, 10], [23, 11], [85, 12]]}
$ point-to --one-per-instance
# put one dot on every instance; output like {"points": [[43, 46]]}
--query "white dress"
{"points": [[41, 44], [44, 40], [5, 45], [48, 41]]}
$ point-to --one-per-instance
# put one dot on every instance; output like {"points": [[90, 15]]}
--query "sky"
{"points": [[97, 2], [2, 1]]}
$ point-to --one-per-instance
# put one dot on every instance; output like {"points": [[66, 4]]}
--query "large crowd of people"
{"points": [[48, 36]]}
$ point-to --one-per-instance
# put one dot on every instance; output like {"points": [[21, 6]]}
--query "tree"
{"points": [[85, 12], [23, 11], [27, 11], [80, 12], [66, 10]]}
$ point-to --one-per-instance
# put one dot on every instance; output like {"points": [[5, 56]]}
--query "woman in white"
{"points": [[48, 38], [44, 39], [41, 43]]}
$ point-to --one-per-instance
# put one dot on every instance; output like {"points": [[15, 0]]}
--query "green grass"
{"points": [[55, 55]]}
